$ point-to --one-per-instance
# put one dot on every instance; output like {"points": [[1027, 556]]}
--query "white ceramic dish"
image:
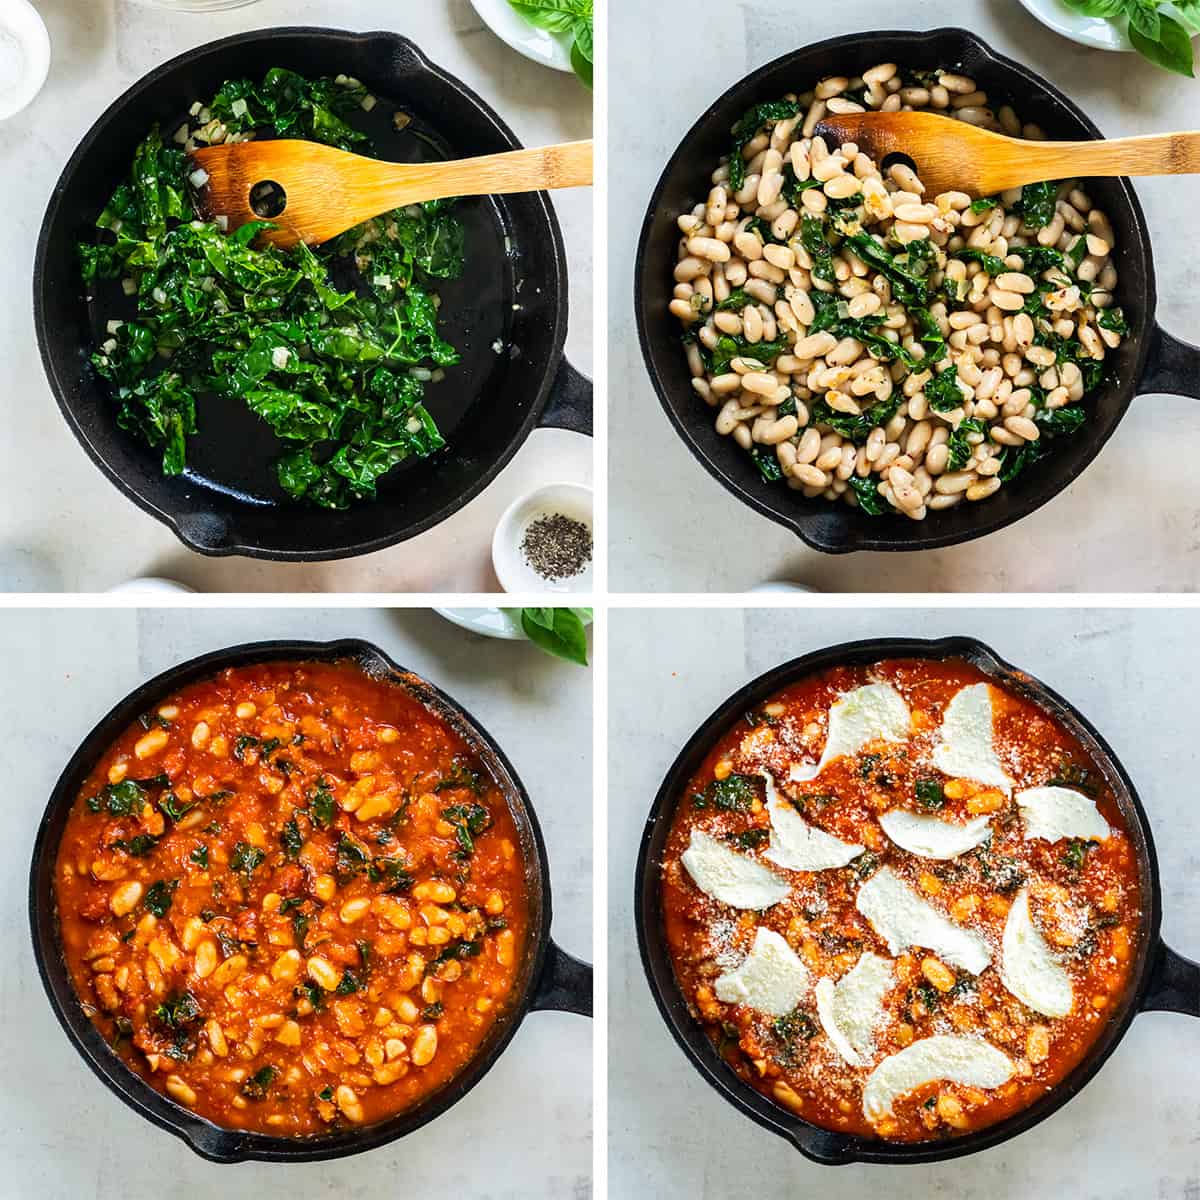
{"points": [[150, 584], [1087, 31], [549, 49], [490, 622], [24, 56], [515, 574]]}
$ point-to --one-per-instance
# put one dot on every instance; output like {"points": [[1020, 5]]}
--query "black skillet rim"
{"points": [[207, 1139], [806, 513], [176, 521], [822, 1145]]}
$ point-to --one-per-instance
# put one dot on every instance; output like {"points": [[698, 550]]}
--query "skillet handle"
{"points": [[565, 985], [1174, 984], [1172, 367], [569, 405]]}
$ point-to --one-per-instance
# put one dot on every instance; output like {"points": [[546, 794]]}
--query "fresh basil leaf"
{"points": [[1170, 49], [565, 638]]}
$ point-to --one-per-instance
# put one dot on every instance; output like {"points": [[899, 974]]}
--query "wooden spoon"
{"points": [[329, 191], [952, 156]]}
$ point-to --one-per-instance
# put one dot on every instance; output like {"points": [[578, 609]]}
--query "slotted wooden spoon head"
{"points": [[328, 191]]}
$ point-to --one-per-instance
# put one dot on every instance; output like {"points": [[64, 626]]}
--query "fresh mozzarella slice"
{"points": [[875, 712], [929, 837], [731, 878], [903, 919], [966, 749], [1053, 813], [851, 1009], [799, 846], [771, 978], [966, 1060], [1028, 969]]}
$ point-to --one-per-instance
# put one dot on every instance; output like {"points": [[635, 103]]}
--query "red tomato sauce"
{"points": [[291, 898]]}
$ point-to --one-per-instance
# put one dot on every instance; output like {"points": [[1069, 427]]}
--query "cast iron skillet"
{"points": [[514, 289], [1161, 979], [1149, 361], [549, 978]]}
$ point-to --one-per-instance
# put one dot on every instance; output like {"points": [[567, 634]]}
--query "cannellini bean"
{"points": [[424, 1045], [349, 1104], [151, 743], [179, 1090], [125, 897], [709, 248]]}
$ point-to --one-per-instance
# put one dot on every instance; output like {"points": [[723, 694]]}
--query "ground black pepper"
{"points": [[556, 546]]}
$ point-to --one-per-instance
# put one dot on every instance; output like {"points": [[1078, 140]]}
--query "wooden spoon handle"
{"points": [[535, 170], [1151, 154]]}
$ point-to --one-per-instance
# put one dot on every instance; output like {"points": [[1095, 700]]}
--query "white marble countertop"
{"points": [[63, 526], [1120, 527], [523, 1131], [1131, 1134]]}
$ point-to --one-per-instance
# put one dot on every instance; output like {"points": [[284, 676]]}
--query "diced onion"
{"points": [[368, 103], [129, 286], [181, 134], [279, 357], [222, 223], [113, 326], [198, 178], [239, 108]]}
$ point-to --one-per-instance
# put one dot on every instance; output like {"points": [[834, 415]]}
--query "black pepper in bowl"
{"points": [[557, 547]]}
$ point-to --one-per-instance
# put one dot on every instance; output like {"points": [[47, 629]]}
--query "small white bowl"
{"points": [[780, 587], [24, 56], [150, 584], [537, 44], [515, 574]]}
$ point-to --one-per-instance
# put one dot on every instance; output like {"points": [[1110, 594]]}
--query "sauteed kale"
{"points": [[330, 347]]}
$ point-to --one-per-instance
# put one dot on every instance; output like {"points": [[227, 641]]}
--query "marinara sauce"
{"points": [[1085, 899], [291, 899]]}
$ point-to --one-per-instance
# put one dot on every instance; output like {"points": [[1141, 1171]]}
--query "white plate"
{"points": [[490, 622], [549, 49], [1087, 31]]}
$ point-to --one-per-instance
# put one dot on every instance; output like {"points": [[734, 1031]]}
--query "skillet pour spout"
{"points": [[1161, 980], [1148, 361], [548, 977]]}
